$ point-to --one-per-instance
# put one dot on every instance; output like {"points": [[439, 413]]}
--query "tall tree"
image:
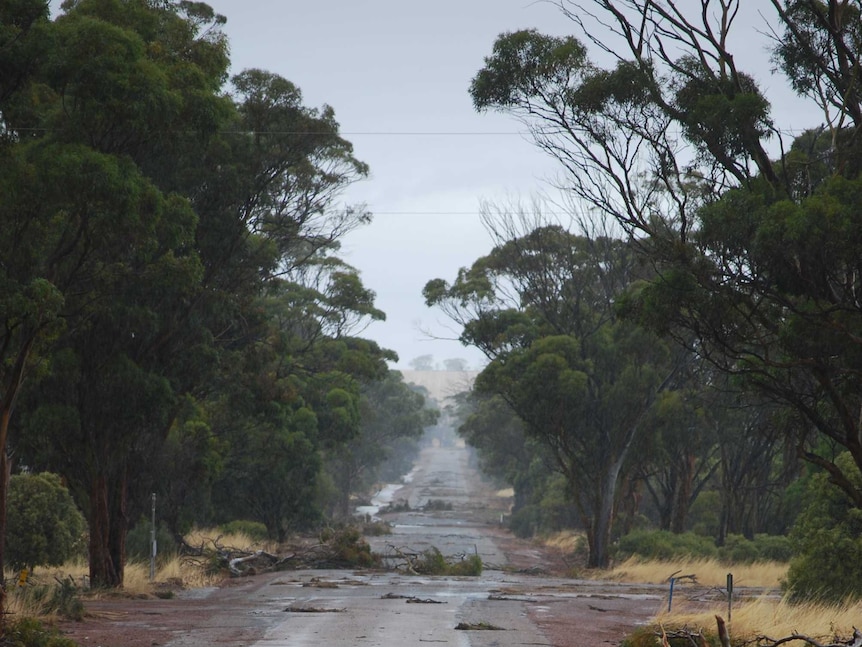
{"points": [[166, 208], [757, 261], [540, 305]]}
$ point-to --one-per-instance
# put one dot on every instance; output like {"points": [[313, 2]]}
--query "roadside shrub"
{"points": [[254, 530], [44, 599], [376, 528], [431, 562], [665, 545], [651, 637], [43, 525], [776, 548], [524, 522], [827, 539], [139, 542], [471, 565], [28, 632], [739, 550], [349, 546]]}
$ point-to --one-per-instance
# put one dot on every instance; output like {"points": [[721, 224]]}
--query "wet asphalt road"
{"points": [[395, 609]]}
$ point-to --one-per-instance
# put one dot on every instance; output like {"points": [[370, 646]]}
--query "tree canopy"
{"points": [[754, 240], [582, 380], [175, 318]]}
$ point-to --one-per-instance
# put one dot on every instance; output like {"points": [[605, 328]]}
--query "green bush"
{"points": [[651, 637], [776, 548], [431, 562], [254, 530], [524, 522], [349, 547], [702, 517], [471, 565], [739, 550], [60, 598], [664, 545], [139, 542], [43, 525], [827, 539], [28, 632], [376, 528]]}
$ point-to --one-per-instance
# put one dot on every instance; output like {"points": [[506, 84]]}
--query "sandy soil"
{"points": [[523, 590]]}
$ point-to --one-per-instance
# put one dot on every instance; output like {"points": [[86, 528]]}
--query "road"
{"points": [[392, 609]]}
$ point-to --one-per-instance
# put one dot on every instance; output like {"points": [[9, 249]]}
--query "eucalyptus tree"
{"points": [[541, 307], [156, 209], [390, 413], [757, 259]]}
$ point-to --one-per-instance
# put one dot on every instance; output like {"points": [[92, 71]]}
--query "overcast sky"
{"points": [[397, 74]]}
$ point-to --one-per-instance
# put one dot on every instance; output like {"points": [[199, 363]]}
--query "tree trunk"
{"points": [[107, 531], [682, 495], [599, 533], [4, 494]]}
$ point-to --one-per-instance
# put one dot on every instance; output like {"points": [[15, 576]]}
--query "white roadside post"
{"points": [[153, 547]]}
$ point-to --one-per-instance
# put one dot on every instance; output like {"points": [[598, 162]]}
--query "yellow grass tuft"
{"points": [[565, 540], [766, 615], [775, 619], [210, 537], [709, 572]]}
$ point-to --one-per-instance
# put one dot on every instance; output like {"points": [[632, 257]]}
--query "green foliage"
{"points": [[827, 539], [739, 550], [432, 562], [651, 636], [61, 598], [252, 529], [665, 545], [471, 565], [525, 63], [349, 547], [139, 542], [526, 521], [758, 258], [44, 527], [29, 632], [376, 528], [392, 417], [172, 277]]}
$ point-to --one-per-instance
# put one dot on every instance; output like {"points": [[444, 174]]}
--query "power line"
{"points": [[380, 133]]}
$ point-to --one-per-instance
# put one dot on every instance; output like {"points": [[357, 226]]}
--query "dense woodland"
{"points": [[684, 350], [174, 317], [682, 353]]}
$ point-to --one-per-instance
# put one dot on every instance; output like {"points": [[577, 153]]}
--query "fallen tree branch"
{"points": [[854, 641]]}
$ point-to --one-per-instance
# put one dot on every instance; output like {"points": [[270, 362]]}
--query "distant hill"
{"points": [[441, 384]]}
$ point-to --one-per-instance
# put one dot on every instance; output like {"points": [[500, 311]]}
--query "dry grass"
{"points": [[173, 572], [209, 538], [767, 615], [565, 541], [775, 619], [709, 572]]}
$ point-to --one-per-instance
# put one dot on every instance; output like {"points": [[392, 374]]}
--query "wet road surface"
{"points": [[392, 608]]}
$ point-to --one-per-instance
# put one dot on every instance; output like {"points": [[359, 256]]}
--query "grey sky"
{"points": [[397, 73]]}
